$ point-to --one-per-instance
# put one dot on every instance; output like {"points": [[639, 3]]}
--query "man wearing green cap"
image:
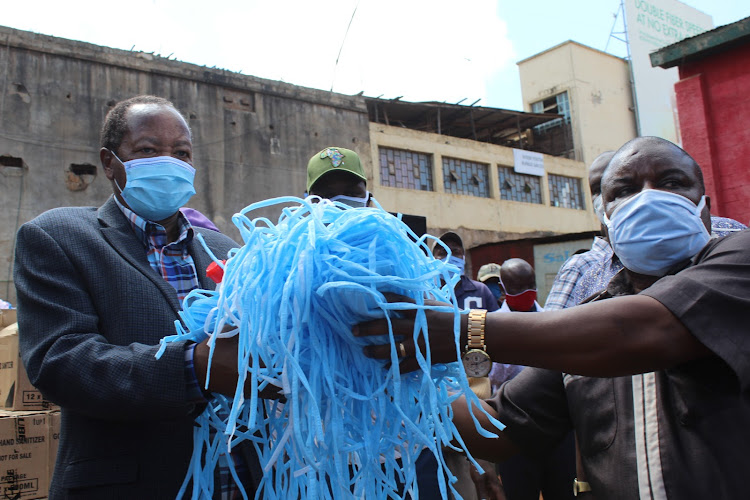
{"points": [[337, 175]]}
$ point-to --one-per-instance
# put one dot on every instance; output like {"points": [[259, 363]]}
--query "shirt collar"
{"points": [[152, 233], [600, 244]]}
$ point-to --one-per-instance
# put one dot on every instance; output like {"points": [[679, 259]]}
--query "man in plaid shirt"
{"points": [[561, 295]]}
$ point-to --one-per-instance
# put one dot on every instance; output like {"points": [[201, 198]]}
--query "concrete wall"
{"points": [[479, 220], [252, 137], [598, 86], [713, 102]]}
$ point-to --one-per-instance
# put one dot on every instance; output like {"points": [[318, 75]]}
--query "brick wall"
{"points": [[713, 101]]}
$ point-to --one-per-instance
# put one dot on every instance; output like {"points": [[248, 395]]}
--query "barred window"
{"points": [[565, 192], [466, 177], [519, 187], [405, 169]]}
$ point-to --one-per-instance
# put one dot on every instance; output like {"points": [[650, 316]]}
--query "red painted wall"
{"points": [[713, 103], [499, 253]]}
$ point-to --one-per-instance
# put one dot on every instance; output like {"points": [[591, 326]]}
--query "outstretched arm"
{"points": [[619, 336]]}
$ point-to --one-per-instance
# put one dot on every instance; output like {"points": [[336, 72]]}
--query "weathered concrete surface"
{"points": [[252, 137]]}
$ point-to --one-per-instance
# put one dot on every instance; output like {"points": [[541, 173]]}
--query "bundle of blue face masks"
{"points": [[350, 426]]}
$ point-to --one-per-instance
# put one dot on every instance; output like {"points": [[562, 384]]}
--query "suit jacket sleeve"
{"points": [[90, 320]]}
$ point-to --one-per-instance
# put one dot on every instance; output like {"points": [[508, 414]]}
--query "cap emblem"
{"points": [[337, 158]]}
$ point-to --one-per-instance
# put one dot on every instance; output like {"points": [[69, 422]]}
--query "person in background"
{"points": [[519, 282], [98, 288], [336, 174], [525, 477], [470, 294], [561, 294], [476, 295], [489, 274]]}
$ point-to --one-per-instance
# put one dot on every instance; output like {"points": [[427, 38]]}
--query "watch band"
{"points": [[477, 319]]}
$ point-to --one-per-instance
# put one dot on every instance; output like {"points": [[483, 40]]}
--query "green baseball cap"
{"points": [[333, 159]]}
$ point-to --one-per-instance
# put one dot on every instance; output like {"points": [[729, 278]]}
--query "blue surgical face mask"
{"points": [[497, 292], [458, 262], [157, 187], [352, 201], [598, 207], [655, 230]]}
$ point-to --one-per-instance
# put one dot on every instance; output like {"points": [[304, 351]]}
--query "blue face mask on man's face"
{"points": [[497, 292], [352, 201], [157, 187], [655, 230]]}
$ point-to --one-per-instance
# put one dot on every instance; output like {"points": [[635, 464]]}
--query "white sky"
{"points": [[442, 50]]}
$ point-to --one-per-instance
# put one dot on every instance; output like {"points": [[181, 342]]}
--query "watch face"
{"points": [[477, 363]]}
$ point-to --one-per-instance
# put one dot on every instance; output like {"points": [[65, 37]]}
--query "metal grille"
{"points": [[565, 192], [558, 104], [405, 169], [466, 177], [519, 187]]}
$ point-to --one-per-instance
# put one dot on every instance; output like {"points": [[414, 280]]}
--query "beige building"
{"points": [[589, 88], [495, 205]]}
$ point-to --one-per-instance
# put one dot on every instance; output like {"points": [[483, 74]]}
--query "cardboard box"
{"points": [[7, 317], [16, 392], [25, 446], [54, 440]]}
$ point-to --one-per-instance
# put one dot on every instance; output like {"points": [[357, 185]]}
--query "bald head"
{"points": [[596, 170], [517, 276], [652, 163]]}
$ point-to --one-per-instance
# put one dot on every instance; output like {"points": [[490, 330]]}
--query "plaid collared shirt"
{"points": [[173, 262], [561, 295], [598, 275]]}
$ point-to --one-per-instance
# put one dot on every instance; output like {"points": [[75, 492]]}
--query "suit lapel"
{"points": [[118, 232]]}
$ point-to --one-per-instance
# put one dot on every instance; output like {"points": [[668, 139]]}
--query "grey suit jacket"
{"points": [[91, 311]]}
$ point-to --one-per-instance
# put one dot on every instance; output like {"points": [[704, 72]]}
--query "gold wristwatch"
{"points": [[477, 363]]}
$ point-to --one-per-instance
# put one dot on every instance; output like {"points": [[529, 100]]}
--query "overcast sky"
{"points": [[442, 50]]}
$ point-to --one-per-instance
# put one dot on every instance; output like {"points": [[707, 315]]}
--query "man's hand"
{"points": [[224, 372], [487, 484], [441, 334]]}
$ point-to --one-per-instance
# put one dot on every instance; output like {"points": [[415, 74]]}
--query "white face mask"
{"points": [[352, 201], [655, 230], [598, 207]]}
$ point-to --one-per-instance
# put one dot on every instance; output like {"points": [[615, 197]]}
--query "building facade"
{"points": [[590, 88], [713, 103], [252, 139]]}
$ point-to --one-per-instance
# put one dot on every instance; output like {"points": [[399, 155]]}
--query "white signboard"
{"points": [[651, 25], [528, 162]]}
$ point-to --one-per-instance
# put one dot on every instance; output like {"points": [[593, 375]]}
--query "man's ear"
{"points": [[106, 158]]}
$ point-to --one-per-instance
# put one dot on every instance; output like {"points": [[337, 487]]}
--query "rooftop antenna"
{"points": [[342, 44], [622, 36]]}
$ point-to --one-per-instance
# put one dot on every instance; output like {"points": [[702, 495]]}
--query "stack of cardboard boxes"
{"points": [[29, 424]]}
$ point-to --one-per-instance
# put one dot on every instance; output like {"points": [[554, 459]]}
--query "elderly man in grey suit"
{"points": [[97, 289]]}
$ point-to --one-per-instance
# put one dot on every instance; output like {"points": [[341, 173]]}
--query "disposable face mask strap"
{"points": [[294, 290]]}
